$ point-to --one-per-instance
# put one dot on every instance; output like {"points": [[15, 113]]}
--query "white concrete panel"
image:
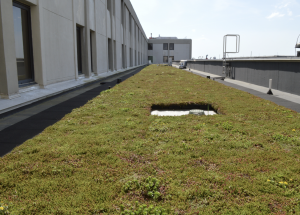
{"points": [[133, 35], [118, 9], [79, 12], [157, 53], [58, 40], [122, 35], [92, 14], [55, 38], [101, 17], [8, 68], [113, 27], [119, 55], [118, 31], [182, 51], [128, 39], [127, 28], [62, 8], [108, 25], [102, 53]]}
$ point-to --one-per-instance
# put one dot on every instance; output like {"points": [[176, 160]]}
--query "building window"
{"points": [[166, 46], [23, 43], [79, 53], [110, 55], [150, 58], [171, 46], [123, 56], [115, 55], [171, 57], [91, 45], [131, 57], [113, 7], [150, 46], [165, 59], [109, 5], [122, 13]]}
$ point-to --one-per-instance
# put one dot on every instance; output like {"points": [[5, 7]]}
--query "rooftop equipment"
{"points": [[297, 47], [226, 66]]}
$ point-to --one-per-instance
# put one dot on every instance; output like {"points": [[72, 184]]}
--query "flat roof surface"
{"points": [[267, 58]]}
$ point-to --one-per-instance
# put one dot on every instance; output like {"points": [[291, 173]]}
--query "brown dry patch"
{"points": [[276, 207], [74, 162], [207, 165]]}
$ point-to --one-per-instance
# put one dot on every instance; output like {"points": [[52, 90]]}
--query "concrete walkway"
{"points": [[19, 127], [287, 100]]}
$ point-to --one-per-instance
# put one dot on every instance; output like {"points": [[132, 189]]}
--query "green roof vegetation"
{"points": [[112, 157]]}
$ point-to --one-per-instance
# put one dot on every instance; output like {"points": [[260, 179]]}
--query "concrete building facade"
{"points": [[160, 49], [50, 41]]}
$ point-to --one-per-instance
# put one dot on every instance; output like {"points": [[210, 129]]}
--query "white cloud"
{"points": [[286, 7], [283, 5], [274, 15]]}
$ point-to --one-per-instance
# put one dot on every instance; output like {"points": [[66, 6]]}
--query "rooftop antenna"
{"points": [[226, 66]]}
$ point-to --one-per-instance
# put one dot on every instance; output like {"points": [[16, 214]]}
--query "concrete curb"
{"points": [[86, 83]]}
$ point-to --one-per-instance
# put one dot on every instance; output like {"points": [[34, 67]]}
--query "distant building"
{"points": [[160, 49]]}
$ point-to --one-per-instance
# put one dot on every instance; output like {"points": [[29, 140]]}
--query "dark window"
{"points": [[109, 5], [150, 46], [23, 43], [123, 56], [166, 46], [91, 42], [115, 55], [166, 59], [150, 58], [171, 46], [131, 57], [171, 57], [122, 12], [79, 53], [113, 7], [110, 55]]}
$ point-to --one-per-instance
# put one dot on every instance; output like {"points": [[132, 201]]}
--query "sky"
{"points": [[266, 27]]}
